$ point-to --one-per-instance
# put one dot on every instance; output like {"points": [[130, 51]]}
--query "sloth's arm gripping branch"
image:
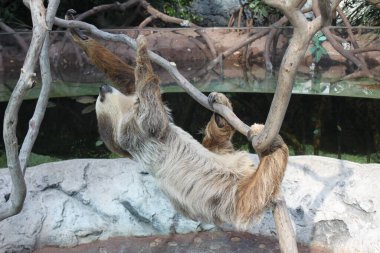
{"points": [[152, 115]]}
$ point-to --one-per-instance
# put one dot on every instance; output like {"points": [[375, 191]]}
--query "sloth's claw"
{"points": [[212, 99], [70, 15]]}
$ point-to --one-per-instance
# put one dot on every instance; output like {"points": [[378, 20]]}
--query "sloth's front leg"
{"points": [[151, 113], [218, 132]]}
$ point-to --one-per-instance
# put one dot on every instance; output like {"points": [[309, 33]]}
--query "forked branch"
{"points": [[25, 82]]}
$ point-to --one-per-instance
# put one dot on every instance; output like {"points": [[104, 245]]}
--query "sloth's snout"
{"points": [[103, 90]]}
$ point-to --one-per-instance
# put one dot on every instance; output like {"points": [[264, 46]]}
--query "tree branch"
{"points": [[107, 7], [365, 49], [25, 82], [352, 37], [173, 71], [283, 221], [146, 21], [43, 99], [336, 45], [231, 50]]}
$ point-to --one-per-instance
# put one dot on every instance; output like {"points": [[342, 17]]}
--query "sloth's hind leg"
{"points": [[218, 132]]}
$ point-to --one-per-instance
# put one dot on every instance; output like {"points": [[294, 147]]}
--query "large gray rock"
{"points": [[214, 12], [333, 203]]}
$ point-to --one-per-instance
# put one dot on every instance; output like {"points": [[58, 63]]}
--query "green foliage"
{"points": [[15, 14], [262, 13], [317, 50], [179, 9], [34, 159], [361, 12]]}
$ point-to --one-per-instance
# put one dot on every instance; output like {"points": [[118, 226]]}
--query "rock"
{"points": [[333, 203], [214, 12]]}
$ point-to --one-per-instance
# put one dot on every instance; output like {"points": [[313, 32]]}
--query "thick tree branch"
{"points": [[43, 99], [25, 82], [293, 55], [270, 38], [352, 37], [283, 223]]}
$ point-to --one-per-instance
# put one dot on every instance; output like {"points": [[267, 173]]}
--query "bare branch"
{"points": [[108, 7], [43, 99], [365, 49], [157, 14], [18, 192], [146, 21], [178, 77], [231, 50], [291, 10], [283, 222], [351, 36], [208, 42], [337, 46]]}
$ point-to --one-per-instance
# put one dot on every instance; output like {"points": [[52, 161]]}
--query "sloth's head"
{"points": [[113, 109]]}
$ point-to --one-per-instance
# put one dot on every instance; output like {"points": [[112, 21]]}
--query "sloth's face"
{"points": [[113, 109]]}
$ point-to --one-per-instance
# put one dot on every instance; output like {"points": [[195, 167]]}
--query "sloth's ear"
{"points": [[143, 65]]}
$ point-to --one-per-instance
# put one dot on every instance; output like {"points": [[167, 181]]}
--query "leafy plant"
{"points": [[361, 12], [180, 9], [261, 12], [317, 50]]}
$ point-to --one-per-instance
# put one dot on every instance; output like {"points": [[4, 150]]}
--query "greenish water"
{"points": [[361, 88]]}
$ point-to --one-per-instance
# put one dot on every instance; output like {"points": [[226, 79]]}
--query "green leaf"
{"points": [[312, 50], [318, 56]]}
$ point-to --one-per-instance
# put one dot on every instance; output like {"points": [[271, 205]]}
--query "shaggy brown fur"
{"points": [[120, 73], [213, 182]]}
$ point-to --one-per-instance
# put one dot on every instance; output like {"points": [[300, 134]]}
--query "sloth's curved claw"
{"points": [[211, 99], [70, 15], [220, 98]]}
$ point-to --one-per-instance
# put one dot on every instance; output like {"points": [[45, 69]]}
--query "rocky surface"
{"points": [[333, 203], [214, 12]]}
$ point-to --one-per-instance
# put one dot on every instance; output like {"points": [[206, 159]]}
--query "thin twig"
{"points": [[157, 14], [231, 50], [146, 21], [108, 7]]}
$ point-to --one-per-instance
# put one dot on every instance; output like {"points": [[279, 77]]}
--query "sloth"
{"points": [[209, 182]]}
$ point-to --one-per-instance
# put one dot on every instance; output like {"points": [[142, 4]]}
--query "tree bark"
{"points": [[18, 192]]}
